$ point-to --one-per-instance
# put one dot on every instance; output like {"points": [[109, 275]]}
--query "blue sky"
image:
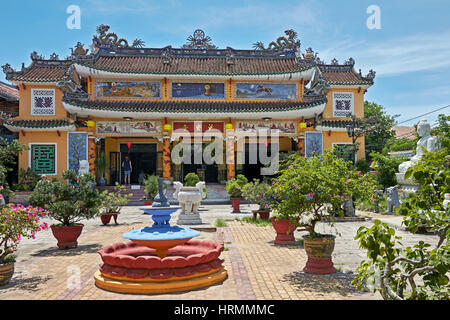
{"points": [[410, 53]]}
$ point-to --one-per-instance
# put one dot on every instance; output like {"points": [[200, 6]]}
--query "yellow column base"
{"points": [[177, 284]]}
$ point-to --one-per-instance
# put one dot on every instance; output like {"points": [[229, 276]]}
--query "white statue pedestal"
{"points": [[189, 199]]}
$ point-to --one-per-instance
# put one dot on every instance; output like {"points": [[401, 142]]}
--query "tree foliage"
{"points": [[9, 150]]}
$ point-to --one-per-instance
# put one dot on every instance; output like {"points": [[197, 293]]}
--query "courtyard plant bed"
{"points": [[261, 194], [68, 201], [308, 190], [234, 188], [112, 203], [16, 222]]}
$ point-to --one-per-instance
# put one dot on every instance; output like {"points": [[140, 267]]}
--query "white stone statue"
{"points": [[426, 141], [84, 167]]}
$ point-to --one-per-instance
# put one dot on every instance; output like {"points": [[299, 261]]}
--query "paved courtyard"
{"points": [[257, 269]]}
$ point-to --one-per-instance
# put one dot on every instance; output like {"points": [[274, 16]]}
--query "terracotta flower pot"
{"points": [[319, 252], [285, 231], [263, 214], [148, 202], [235, 202], [106, 218], [115, 218], [67, 235], [6, 273]]}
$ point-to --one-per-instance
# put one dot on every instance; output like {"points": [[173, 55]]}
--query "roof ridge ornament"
{"points": [[104, 37], [291, 43], [198, 40], [35, 56]]}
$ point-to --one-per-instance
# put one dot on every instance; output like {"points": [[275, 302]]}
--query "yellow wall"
{"points": [[25, 103], [45, 137], [358, 103]]}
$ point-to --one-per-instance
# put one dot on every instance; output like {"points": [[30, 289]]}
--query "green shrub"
{"points": [[259, 193], [68, 201], [151, 186], [234, 186], [191, 179], [387, 167], [362, 165]]}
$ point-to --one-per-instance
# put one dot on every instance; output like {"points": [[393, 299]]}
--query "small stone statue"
{"points": [[84, 167], [376, 201], [349, 209], [392, 199]]}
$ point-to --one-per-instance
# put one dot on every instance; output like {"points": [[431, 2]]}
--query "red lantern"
{"points": [[266, 143], [129, 144]]}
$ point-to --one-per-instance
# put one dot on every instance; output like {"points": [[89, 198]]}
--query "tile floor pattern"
{"points": [[257, 269]]}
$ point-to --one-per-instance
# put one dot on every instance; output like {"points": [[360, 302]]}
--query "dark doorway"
{"points": [[250, 169], [142, 157], [207, 173]]}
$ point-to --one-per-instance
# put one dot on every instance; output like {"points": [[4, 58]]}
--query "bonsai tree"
{"points": [[151, 186], [17, 221], [68, 201], [259, 193], [234, 186], [113, 201], [308, 187], [191, 179]]}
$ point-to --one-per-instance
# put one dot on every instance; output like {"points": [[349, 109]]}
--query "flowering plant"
{"points": [[259, 193], [17, 221], [308, 187], [113, 201]]}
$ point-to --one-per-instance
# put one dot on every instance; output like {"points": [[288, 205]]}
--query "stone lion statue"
{"points": [[392, 199], [84, 167]]}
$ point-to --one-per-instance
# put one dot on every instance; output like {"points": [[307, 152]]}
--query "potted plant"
{"points": [[16, 221], [68, 202], [151, 189], [234, 188], [305, 192], [261, 194], [100, 167], [112, 203]]}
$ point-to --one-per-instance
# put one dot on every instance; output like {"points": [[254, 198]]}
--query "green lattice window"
{"points": [[43, 158], [345, 151]]}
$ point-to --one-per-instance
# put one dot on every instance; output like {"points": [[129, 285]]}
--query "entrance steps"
{"points": [[216, 194]]}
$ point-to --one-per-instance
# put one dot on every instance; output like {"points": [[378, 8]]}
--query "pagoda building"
{"points": [[116, 99]]}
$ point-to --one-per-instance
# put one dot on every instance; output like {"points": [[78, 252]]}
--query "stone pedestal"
{"points": [[406, 185], [188, 219]]}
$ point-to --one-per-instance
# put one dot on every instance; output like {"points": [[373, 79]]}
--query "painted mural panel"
{"points": [[127, 89], [198, 90], [198, 126], [313, 143], [77, 149], [265, 91], [129, 127], [284, 127]]}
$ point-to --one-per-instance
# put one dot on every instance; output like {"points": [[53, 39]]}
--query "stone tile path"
{"points": [[257, 269]]}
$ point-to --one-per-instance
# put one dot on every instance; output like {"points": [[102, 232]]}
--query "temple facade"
{"points": [[118, 98]]}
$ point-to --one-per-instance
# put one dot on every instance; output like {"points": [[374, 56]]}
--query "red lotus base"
{"points": [[285, 231], [319, 266]]}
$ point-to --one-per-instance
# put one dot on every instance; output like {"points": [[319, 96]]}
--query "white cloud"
{"points": [[396, 56]]}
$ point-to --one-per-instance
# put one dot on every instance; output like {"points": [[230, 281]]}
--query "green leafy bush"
{"points": [[234, 186], [191, 179], [113, 201], [309, 187], [362, 165], [151, 186], [259, 193], [68, 201], [387, 167]]}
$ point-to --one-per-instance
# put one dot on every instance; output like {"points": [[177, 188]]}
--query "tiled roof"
{"points": [[54, 123], [404, 132], [335, 123], [197, 65], [8, 92], [193, 107], [343, 75], [41, 72]]}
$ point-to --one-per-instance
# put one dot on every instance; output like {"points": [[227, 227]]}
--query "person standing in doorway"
{"points": [[127, 168]]}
